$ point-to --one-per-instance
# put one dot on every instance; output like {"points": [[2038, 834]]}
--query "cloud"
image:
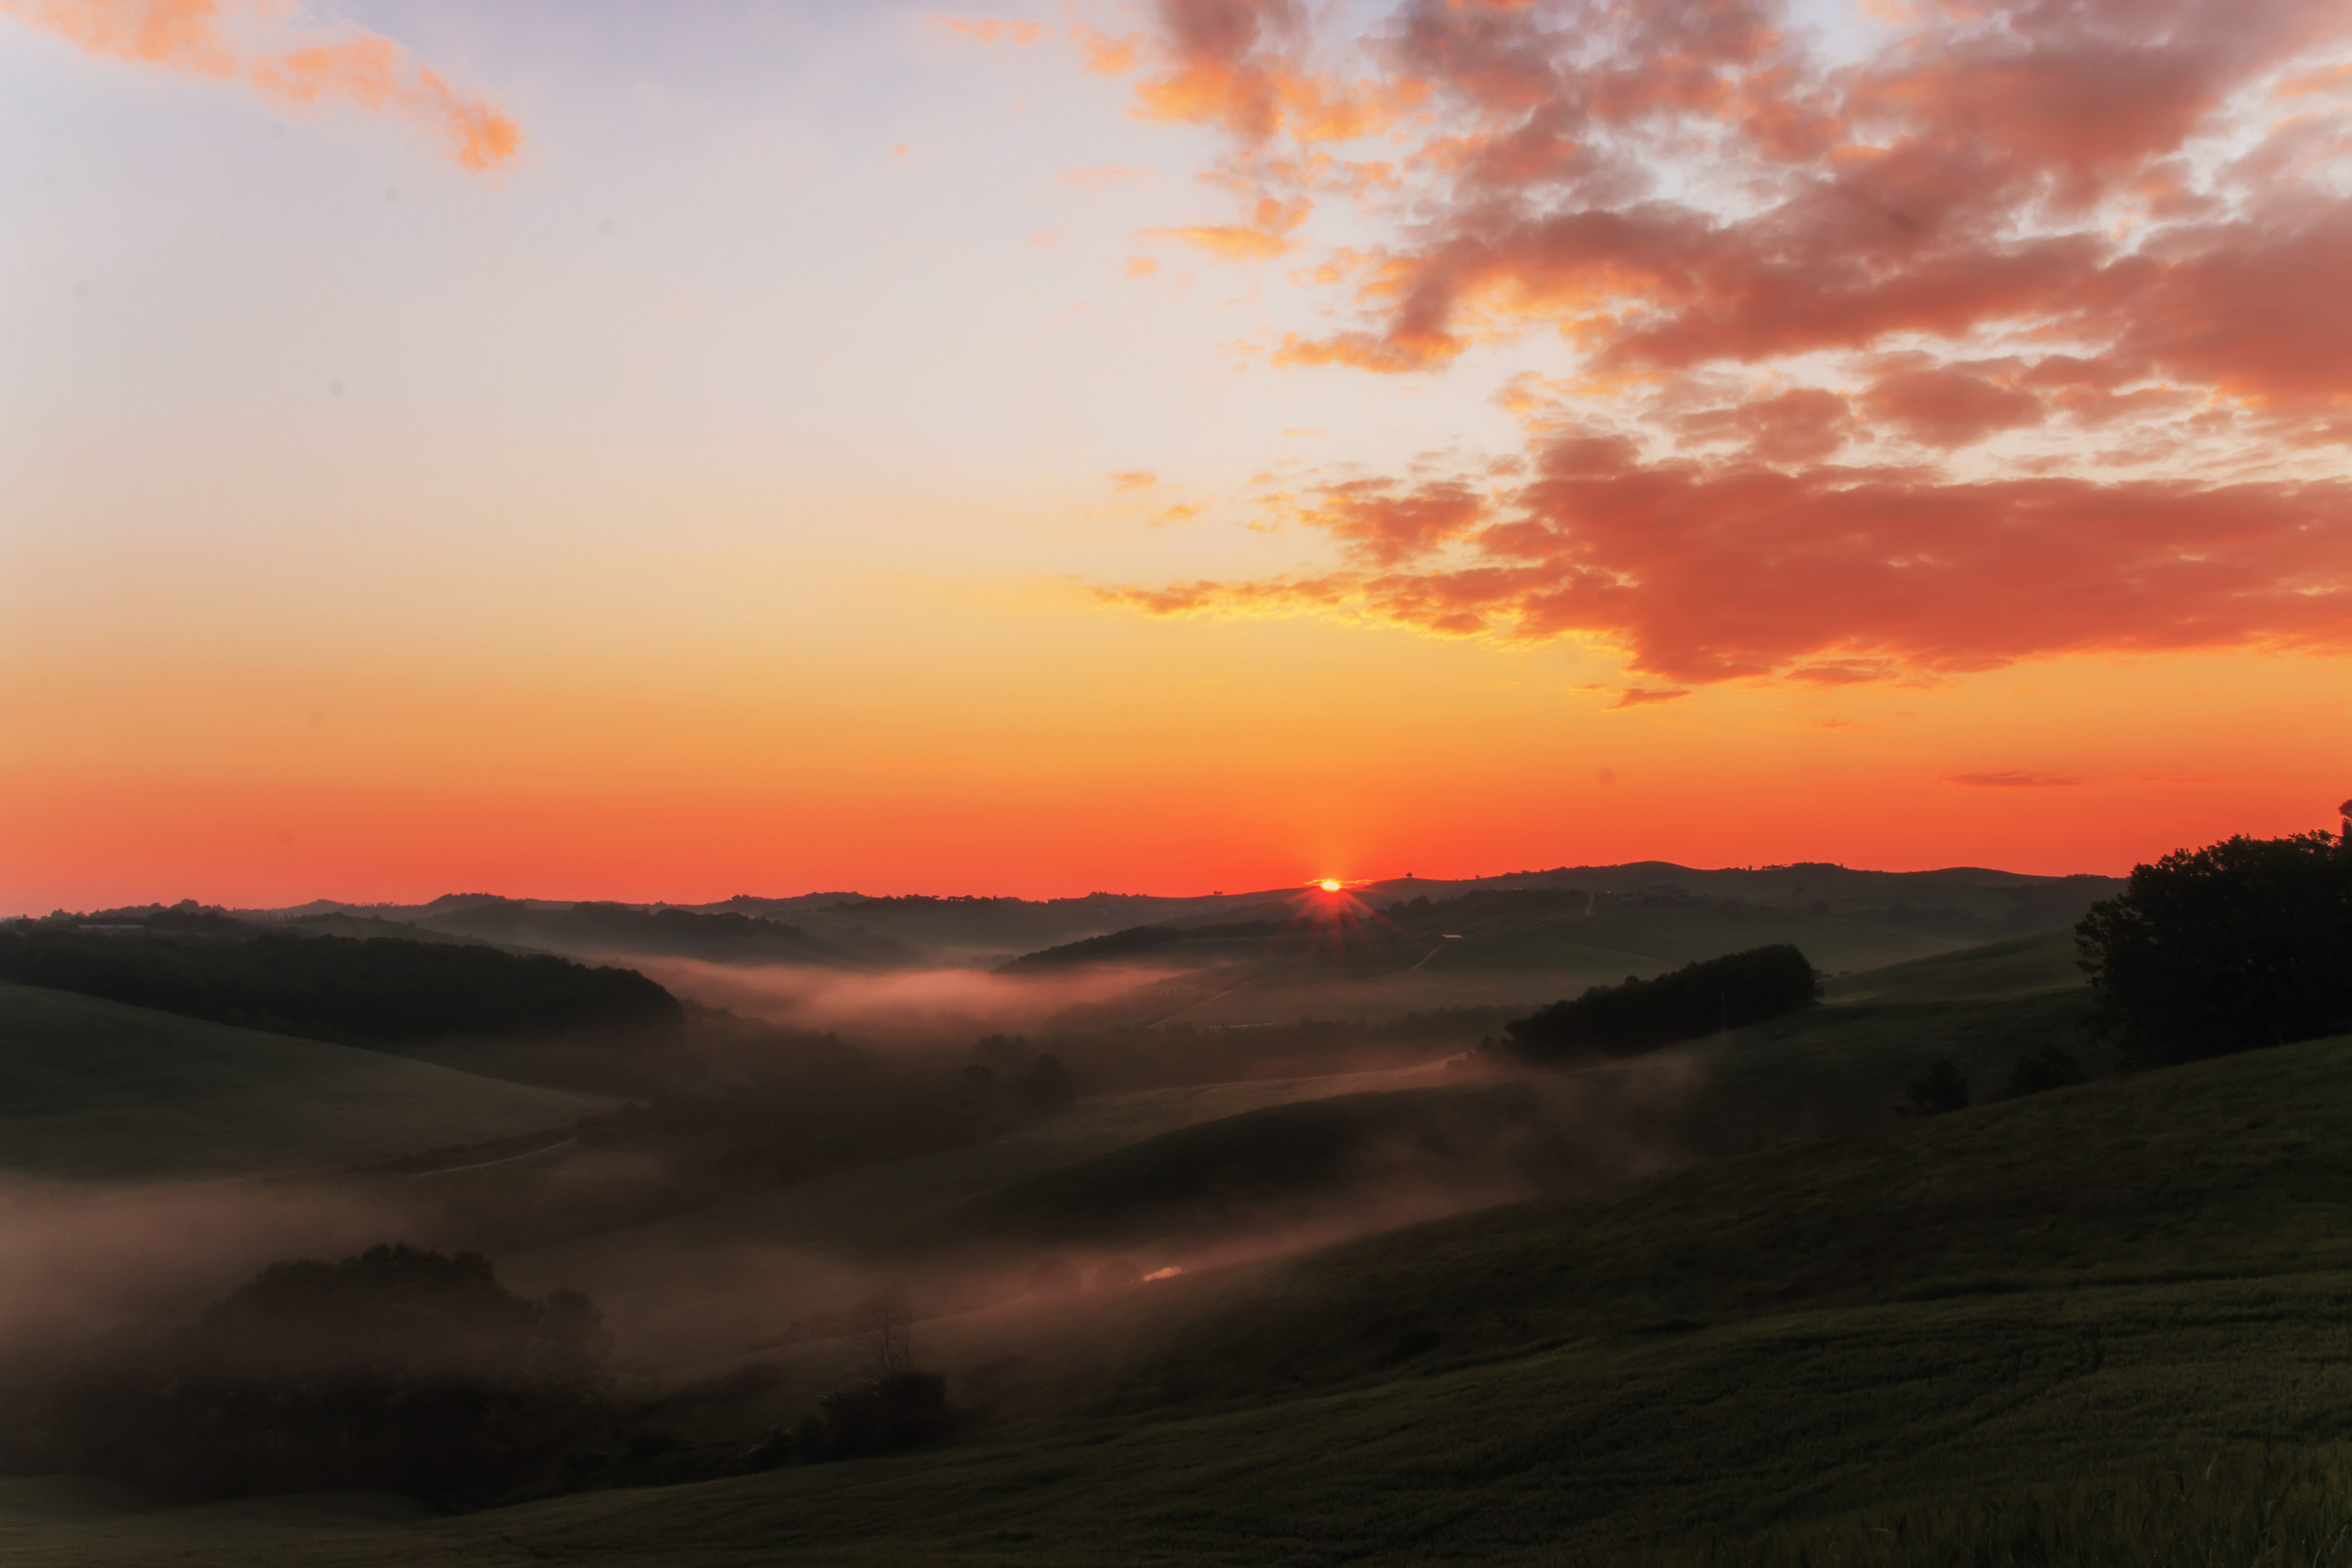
{"points": [[1242, 65], [1106, 56], [1704, 571], [984, 30], [1645, 695], [2013, 781], [1794, 305], [1133, 479], [1267, 234], [256, 43]]}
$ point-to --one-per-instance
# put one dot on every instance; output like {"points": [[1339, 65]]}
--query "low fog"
{"points": [[914, 1005]]}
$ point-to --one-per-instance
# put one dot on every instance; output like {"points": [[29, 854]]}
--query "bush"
{"points": [[1690, 1004], [900, 1411], [2043, 1069], [2240, 944], [1936, 1092], [1046, 1086]]}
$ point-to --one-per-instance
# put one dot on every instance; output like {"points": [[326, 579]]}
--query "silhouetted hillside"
{"points": [[379, 990]]}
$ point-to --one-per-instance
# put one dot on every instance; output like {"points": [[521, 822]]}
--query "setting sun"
{"points": [[1328, 885]]}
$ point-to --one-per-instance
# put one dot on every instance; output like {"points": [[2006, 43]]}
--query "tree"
{"points": [[399, 1369], [1690, 1004], [2241, 944], [887, 1320], [1047, 1085]]}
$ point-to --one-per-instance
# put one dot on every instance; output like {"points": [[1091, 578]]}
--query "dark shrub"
{"points": [[2240, 944], [1690, 1004], [1936, 1092], [902, 1410], [2043, 1068], [1047, 1085]]}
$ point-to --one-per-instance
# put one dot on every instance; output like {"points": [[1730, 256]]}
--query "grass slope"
{"points": [[1253, 1168], [98, 1089], [1844, 1066], [696, 1288], [2054, 1302]]}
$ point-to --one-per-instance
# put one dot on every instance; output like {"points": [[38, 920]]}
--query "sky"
{"points": [[668, 452]]}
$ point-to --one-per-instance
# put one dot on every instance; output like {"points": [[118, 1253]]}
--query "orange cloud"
{"points": [[1142, 265], [983, 30], [1647, 696], [1106, 56], [1133, 479], [1268, 235], [1762, 448], [233, 41], [1705, 571]]}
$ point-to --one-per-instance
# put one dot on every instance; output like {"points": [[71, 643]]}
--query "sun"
{"points": [[1328, 885]]}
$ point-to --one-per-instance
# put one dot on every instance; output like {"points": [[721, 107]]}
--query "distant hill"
{"points": [[594, 929], [97, 1088], [1948, 907]]}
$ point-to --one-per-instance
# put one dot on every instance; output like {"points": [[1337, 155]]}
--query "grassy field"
{"points": [[2057, 1319], [96, 1090], [696, 1290]]}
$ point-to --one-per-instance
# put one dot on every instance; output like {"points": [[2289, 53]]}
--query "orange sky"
{"points": [[1201, 445]]}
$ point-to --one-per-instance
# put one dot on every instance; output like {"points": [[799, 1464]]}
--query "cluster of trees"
{"points": [[399, 1369], [2240, 944], [1688, 1004], [371, 992], [417, 1372]]}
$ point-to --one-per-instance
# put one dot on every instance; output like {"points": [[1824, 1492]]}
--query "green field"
{"points": [[96, 1090], [1764, 1320], [2088, 1290]]}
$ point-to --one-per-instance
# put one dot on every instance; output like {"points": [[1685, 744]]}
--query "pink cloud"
{"points": [[1762, 450], [251, 41]]}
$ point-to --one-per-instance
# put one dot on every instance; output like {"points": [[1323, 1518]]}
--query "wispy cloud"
{"points": [[983, 29], [270, 50], [2013, 781]]}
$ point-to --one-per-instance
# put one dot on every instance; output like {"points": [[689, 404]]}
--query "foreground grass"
{"points": [[2102, 1325]]}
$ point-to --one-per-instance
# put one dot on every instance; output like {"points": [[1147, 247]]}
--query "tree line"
{"points": [[372, 991]]}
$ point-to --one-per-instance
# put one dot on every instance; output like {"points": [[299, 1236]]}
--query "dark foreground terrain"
{"points": [[1867, 1282]]}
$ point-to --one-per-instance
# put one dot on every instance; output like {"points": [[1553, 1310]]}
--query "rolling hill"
{"points": [[2023, 1316], [98, 1089]]}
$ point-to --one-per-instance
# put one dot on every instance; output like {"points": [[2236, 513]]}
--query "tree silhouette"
{"points": [[2241, 944]]}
